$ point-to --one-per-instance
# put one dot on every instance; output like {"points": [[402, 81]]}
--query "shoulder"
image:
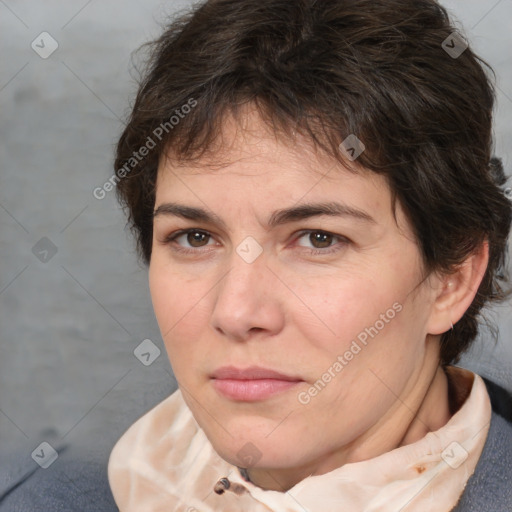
{"points": [[71, 483], [501, 400], [490, 486]]}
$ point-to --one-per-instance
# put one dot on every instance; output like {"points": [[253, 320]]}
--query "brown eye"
{"points": [[192, 241], [321, 242], [195, 238], [322, 239]]}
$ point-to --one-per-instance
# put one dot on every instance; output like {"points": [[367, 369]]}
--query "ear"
{"points": [[455, 291]]}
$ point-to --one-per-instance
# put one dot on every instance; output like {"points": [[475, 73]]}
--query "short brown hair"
{"points": [[328, 69]]}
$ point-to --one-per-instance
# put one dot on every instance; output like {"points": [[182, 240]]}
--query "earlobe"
{"points": [[457, 291]]}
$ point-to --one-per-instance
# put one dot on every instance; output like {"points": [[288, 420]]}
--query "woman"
{"points": [[311, 186]]}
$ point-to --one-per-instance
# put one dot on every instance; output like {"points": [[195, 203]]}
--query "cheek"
{"points": [[339, 308], [362, 322], [177, 304]]}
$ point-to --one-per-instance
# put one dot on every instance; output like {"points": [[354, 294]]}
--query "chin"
{"points": [[256, 452]]}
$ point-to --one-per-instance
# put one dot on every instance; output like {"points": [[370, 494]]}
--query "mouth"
{"points": [[251, 384]]}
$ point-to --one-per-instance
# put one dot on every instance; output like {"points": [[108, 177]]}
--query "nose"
{"points": [[248, 300]]}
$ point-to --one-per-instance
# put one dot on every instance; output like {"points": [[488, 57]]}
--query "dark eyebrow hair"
{"points": [[278, 217]]}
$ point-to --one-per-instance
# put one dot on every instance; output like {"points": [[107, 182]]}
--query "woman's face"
{"points": [[332, 302]]}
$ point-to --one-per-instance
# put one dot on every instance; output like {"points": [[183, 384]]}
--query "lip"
{"points": [[251, 373], [251, 384]]}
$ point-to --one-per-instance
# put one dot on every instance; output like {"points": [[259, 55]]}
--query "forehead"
{"points": [[246, 147], [249, 175]]}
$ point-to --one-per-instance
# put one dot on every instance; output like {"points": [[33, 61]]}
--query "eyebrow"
{"points": [[278, 217]]}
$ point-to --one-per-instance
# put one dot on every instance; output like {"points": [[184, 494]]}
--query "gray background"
{"points": [[69, 326]]}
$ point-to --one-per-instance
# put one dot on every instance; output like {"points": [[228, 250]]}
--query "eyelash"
{"points": [[169, 240]]}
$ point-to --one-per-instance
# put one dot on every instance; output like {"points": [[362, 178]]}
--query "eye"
{"points": [[322, 240], [195, 237]]}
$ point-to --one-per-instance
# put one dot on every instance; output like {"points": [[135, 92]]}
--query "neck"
{"points": [[424, 408]]}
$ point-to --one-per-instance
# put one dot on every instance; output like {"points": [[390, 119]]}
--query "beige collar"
{"points": [[164, 462]]}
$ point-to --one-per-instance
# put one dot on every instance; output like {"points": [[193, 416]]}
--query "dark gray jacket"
{"points": [[490, 487], [78, 483]]}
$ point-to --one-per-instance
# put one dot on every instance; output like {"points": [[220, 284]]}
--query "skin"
{"points": [[296, 312]]}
